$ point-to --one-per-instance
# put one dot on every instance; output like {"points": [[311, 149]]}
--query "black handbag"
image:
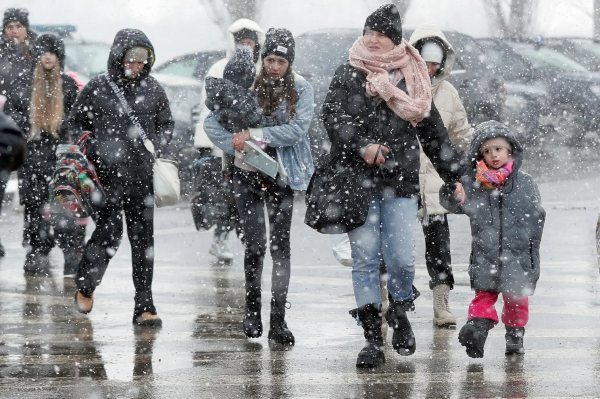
{"points": [[338, 196]]}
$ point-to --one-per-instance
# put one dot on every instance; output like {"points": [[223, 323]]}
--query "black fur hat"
{"points": [[386, 20], [20, 15], [279, 41], [49, 43]]}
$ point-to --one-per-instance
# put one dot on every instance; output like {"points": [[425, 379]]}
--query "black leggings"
{"points": [[252, 191], [437, 251], [134, 197]]}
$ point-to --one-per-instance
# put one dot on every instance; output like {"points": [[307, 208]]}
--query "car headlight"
{"points": [[595, 90]]}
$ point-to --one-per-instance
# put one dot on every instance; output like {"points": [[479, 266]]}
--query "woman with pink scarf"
{"points": [[378, 109]]}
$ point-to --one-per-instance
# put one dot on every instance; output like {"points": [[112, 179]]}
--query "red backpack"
{"points": [[75, 184]]}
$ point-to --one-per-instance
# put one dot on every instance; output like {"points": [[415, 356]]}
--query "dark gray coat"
{"points": [[506, 224]]}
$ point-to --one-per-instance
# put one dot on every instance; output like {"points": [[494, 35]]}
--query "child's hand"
{"points": [[459, 194]]}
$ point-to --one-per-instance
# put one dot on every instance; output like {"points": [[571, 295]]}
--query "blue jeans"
{"points": [[388, 234]]}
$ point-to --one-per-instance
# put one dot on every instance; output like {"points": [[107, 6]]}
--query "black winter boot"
{"points": [[370, 318], [279, 332], [253, 327], [474, 334], [403, 340], [514, 341], [72, 258], [36, 263]]}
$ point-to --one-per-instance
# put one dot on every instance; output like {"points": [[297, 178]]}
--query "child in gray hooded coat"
{"points": [[507, 219]]}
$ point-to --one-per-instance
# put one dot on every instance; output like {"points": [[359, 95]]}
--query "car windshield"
{"points": [[87, 58], [506, 63], [547, 58], [321, 54], [181, 67]]}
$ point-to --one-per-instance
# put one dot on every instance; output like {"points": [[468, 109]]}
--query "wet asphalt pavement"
{"points": [[48, 350]]}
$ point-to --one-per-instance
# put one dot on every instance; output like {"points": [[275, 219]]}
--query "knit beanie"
{"points": [[245, 34], [279, 41], [20, 15], [432, 52], [386, 20], [240, 69], [49, 43], [136, 54]]}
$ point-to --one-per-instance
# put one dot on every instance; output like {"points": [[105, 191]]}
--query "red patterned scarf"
{"points": [[493, 178]]}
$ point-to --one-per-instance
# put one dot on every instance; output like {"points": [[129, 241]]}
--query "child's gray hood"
{"points": [[492, 129]]}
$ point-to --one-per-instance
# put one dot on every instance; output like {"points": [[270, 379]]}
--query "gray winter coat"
{"points": [[506, 224]]}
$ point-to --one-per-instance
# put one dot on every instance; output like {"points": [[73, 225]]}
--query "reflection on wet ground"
{"points": [[47, 350]]}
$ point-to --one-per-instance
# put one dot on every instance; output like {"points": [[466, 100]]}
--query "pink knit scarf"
{"points": [[412, 107]]}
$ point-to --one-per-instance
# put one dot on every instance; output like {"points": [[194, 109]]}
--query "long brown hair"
{"points": [[47, 108], [272, 92]]}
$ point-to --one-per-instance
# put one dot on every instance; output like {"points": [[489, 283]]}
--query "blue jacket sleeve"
{"points": [[218, 135], [291, 133]]}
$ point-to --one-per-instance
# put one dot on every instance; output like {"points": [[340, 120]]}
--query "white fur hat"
{"points": [[432, 52]]}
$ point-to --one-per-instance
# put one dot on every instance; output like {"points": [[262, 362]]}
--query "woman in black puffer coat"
{"points": [[377, 112], [39, 103]]}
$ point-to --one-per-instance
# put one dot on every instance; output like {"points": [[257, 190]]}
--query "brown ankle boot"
{"points": [[83, 303]]}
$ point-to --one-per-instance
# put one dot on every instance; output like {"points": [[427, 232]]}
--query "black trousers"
{"points": [[254, 190], [41, 231], [133, 196], [437, 251]]}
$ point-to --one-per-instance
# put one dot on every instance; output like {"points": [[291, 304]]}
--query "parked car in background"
{"points": [[183, 79], [320, 52], [573, 92], [584, 51], [193, 65]]}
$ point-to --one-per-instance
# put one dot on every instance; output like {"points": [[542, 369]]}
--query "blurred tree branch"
{"points": [[512, 18]]}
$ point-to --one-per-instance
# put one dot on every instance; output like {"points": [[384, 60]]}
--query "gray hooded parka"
{"points": [[506, 224]]}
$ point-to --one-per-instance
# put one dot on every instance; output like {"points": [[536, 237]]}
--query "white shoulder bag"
{"points": [[166, 172]]}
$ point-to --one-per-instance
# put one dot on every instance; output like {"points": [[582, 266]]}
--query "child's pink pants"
{"points": [[514, 314]]}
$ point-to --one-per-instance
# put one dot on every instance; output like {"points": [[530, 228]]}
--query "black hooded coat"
{"points": [[506, 224], [116, 149]]}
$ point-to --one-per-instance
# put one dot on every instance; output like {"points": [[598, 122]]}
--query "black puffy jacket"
{"points": [[116, 149], [354, 119], [235, 107], [506, 224]]}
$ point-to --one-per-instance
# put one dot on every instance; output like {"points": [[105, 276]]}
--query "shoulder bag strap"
{"points": [[136, 123]]}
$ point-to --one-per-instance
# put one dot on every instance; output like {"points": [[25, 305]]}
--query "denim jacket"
{"points": [[290, 139]]}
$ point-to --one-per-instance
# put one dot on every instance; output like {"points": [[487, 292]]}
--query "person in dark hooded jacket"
{"points": [[507, 220], [124, 166], [232, 102], [39, 103]]}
